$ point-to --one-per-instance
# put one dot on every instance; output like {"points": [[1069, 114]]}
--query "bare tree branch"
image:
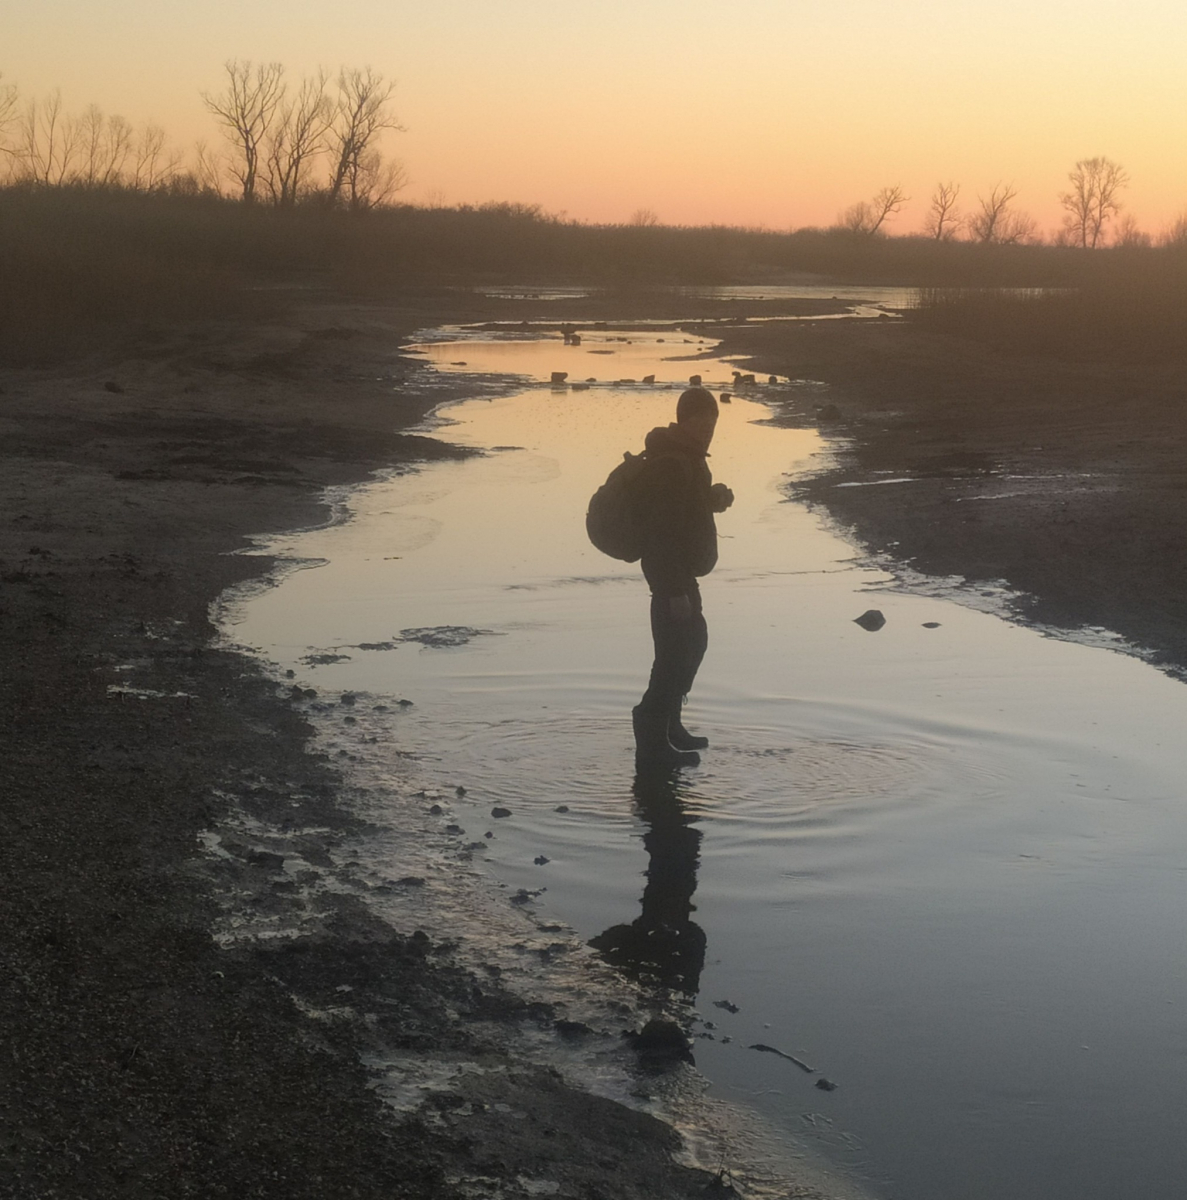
{"points": [[868, 216], [105, 144], [362, 113], [1129, 235], [153, 165], [988, 223], [9, 99], [208, 169], [379, 180], [246, 109], [943, 217], [1093, 200], [48, 140], [297, 137]]}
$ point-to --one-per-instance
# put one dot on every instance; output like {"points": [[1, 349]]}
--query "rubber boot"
{"points": [[680, 737], [652, 748]]}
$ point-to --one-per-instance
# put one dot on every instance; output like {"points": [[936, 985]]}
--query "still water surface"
{"points": [[944, 866]]}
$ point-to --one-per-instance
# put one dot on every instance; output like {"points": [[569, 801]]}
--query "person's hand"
{"points": [[720, 497], [681, 608]]}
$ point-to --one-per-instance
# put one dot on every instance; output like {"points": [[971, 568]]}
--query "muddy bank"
{"points": [[144, 1058], [1062, 479]]}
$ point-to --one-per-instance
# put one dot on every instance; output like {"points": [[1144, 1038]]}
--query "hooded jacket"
{"points": [[679, 532]]}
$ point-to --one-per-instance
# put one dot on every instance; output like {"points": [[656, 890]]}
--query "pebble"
{"points": [[541, 861], [561, 808], [500, 812]]}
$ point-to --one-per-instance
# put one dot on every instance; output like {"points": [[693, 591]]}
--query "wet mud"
{"points": [[148, 1054], [1059, 479]]}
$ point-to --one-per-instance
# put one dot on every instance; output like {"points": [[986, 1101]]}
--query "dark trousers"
{"points": [[679, 647]]}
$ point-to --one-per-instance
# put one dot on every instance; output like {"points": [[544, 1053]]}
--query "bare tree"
{"points": [[105, 144], [48, 140], [362, 114], [868, 216], [1093, 200], [209, 169], [297, 138], [997, 222], [1176, 234], [644, 217], [52, 138], [943, 217], [378, 180], [9, 99], [985, 224], [246, 109], [856, 218], [154, 165], [1129, 235]]}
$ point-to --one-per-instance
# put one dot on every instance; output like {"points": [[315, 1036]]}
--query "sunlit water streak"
{"points": [[943, 866]]}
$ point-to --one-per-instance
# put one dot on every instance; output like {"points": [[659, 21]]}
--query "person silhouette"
{"points": [[676, 499], [663, 946]]}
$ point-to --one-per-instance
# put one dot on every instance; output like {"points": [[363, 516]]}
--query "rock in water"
{"points": [[871, 620], [662, 1041], [694, 380], [559, 376]]}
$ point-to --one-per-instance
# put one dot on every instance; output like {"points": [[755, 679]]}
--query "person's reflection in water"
{"points": [[664, 946]]}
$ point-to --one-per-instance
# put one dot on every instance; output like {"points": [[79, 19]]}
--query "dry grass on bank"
{"points": [[80, 266], [1134, 313]]}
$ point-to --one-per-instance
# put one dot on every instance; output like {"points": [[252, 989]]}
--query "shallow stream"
{"points": [[943, 864]]}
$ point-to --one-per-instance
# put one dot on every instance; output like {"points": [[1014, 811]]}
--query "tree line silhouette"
{"points": [[313, 140], [319, 140], [105, 230]]}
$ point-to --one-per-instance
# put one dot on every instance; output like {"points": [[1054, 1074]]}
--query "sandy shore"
{"points": [[144, 1057], [1063, 480]]}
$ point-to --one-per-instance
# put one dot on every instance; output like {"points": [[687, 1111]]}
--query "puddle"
{"points": [[942, 864]]}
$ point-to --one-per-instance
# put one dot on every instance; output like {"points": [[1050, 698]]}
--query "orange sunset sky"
{"points": [[757, 112]]}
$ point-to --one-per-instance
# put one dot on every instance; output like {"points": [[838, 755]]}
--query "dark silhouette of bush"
{"points": [[1130, 306]]}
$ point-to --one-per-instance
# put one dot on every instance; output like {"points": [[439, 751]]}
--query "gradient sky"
{"points": [[764, 112]]}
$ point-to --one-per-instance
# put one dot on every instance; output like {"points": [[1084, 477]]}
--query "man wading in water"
{"points": [[676, 499]]}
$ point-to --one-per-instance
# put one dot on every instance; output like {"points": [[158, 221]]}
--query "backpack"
{"points": [[612, 520]]}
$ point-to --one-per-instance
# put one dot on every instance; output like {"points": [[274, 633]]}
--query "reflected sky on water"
{"points": [[943, 864]]}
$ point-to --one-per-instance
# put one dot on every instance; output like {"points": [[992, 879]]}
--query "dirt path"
{"points": [[1064, 480]]}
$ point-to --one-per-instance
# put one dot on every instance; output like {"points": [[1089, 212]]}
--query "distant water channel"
{"points": [[943, 864]]}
